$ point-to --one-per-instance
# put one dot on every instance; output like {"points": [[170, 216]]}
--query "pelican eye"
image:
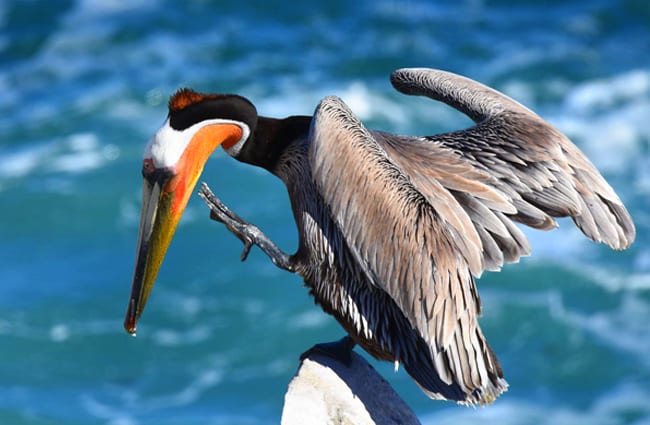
{"points": [[153, 174], [147, 167]]}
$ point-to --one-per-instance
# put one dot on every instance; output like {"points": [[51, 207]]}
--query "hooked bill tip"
{"points": [[130, 323], [130, 329]]}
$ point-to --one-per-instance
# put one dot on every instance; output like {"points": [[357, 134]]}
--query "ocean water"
{"points": [[83, 85]]}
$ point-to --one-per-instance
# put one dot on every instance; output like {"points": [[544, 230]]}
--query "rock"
{"points": [[326, 391]]}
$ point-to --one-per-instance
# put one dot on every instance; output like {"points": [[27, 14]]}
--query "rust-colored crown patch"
{"points": [[186, 97]]}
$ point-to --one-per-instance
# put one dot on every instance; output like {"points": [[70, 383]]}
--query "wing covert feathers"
{"points": [[536, 166]]}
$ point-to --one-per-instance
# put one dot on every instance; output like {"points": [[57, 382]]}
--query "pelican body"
{"points": [[393, 230]]}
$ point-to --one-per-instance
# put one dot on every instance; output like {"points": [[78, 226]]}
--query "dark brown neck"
{"points": [[271, 137]]}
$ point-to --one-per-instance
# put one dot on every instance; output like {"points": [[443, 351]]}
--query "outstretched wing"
{"points": [[540, 171], [404, 247], [423, 215]]}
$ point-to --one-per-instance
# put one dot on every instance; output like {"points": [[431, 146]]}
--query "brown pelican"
{"points": [[393, 230]]}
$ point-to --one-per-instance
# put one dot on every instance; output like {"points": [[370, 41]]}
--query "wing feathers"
{"points": [[411, 250], [544, 174], [423, 215]]}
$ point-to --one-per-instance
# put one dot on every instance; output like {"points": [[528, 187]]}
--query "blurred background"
{"points": [[84, 84]]}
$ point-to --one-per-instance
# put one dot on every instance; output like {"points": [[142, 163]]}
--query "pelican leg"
{"points": [[248, 233], [339, 350]]}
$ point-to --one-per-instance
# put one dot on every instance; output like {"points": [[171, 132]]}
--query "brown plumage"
{"points": [[393, 230]]}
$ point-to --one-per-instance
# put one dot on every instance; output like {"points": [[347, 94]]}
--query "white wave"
{"points": [[39, 87], [113, 415], [60, 332], [314, 318], [130, 404], [172, 338], [77, 153], [384, 107], [200, 383], [82, 153], [609, 119], [615, 280], [23, 162], [605, 94], [625, 403], [624, 328]]}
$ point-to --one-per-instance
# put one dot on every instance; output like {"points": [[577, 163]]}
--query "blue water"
{"points": [[83, 85]]}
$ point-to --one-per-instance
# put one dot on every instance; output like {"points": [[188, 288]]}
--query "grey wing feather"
{"points": [[540, 171], [470, 196], [421, 215], [405, 247]]}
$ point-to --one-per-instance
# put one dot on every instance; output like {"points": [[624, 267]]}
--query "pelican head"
{"points": [[173, 161]]}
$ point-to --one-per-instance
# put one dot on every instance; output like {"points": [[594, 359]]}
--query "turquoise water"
{"points": [[83, 85]]}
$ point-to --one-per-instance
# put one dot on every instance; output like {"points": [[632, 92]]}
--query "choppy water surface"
{"points": [[83, 85]]}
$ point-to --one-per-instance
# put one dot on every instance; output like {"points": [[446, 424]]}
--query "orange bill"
{"points": [[164, 199]]}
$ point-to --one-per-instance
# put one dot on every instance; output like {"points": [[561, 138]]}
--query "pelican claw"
{"points": [[246, 232]]}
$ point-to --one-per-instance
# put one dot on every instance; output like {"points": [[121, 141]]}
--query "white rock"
{"points": [[326, 391]]}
